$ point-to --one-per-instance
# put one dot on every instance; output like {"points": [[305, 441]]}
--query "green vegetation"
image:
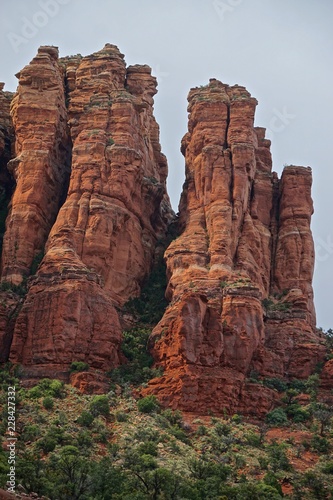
{"points": [[147, 310], [150, 306], [138, 369], [79, 366], [109, 141], [7, 286], [115, 447], [36, 261], [274, 304], [329, 341], [148, 404], [85, 419], [48, 403], [277, 417], [100, 406]]}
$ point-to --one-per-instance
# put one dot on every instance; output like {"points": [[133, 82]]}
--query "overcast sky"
{"points": [[281, 50]]}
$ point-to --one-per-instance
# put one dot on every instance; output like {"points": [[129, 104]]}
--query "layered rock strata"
{"points": [[94, 115], [240, 289]]}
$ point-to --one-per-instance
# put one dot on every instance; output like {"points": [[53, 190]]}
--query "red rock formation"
{"points": [[9, 302], [240, 273], [102, 244], [39, 168], [6, 149], [6, 131], [245, 236]]}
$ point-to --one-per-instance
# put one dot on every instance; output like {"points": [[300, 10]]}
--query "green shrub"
{"points": [[151, 304], [47, 387], [56, 389], [44, 384], [320, 444], [298, 385], [263, 462], [297, 413], [271, 479], [174, 417], [253, 439], [201, 430], [59, 435], [100, 406], [79, 366], [236, 419], [313, 482], [327, 468], [121, 416], [61, 419], [86, 418], [278, 457], [84, 439], [144, 433], [21, 290], [47, 444], [222, 429], [277, 417], [48, 403], [148, 448], [240, 461], [30, 432], [312, 384], [102, 436], [275, 383], [34, 393], [178, 433], [149, 404]]}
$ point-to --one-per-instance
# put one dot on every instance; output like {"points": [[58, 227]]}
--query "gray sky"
{"points": [[281, 50]]}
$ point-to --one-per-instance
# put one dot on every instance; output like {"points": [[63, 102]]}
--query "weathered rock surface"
{"points": [[6, 152], [41, 164], [8, 302], [327, 375], [101, 243], [87, 190], [241, 270]]}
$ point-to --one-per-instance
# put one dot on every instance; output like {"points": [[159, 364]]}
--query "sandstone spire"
{"points": [[241, 270]]}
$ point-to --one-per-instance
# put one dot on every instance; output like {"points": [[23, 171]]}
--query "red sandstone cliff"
{"points": [[86, 186], [9, 303], [241, 270], [100, 245]]}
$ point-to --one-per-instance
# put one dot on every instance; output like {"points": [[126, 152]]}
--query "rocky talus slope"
{"points": [[83, 193]]}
